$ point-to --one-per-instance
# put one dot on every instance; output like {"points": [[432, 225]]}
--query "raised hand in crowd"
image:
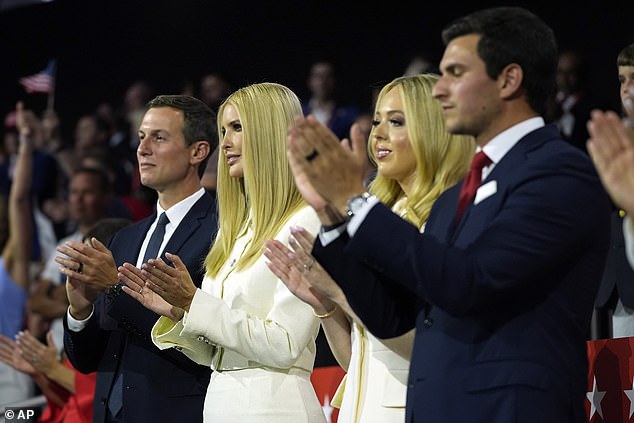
{"points": [[611, 146]]}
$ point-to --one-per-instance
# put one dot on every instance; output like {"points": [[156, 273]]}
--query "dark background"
{"points": [[103, 46]]}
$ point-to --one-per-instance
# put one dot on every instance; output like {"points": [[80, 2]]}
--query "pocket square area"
{"points": [[485, 191]]}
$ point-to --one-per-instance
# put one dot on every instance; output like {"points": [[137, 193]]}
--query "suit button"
{"points": [[428, 322], [103, 401]]}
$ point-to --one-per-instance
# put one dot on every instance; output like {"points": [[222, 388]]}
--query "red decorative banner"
{"points": [[610, 397], [325, 380]]}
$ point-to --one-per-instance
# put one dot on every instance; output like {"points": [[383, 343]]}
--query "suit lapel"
{"points": [[188, 226], [473, 219]]}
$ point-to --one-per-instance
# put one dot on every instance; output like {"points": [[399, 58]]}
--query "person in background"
{"points": [[69, 393], [614, 304], [364, 123], [45, 175], [135, 99], [213, 89], [420, 62], [417, 160], [573, 100], [257, 337], [500, 286], [16, 258], [323, 102], [108, 332], [90, 193], [611, 146], [625, 66]]}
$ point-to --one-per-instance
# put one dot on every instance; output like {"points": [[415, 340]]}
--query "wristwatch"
{"points": [[355, 203]]}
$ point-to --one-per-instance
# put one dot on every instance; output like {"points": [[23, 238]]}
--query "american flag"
{"points": [[41, 82]]}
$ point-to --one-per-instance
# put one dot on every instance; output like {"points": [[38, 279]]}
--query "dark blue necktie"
{"points": [[115, 402], [152, 250]]}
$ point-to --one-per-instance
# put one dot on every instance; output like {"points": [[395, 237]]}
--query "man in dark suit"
{"points": [[109, 332], [612, 157], [574, 98], [502, 294], [615, 298], [324, 103]]}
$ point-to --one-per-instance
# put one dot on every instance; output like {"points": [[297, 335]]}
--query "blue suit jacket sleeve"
{"points": [[92, 335], [387, 308]]}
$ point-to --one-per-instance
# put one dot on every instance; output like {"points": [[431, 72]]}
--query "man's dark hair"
{"points": [[199, 121], [513, 35], [626, 56]]}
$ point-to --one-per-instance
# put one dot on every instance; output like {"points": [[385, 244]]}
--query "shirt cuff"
{"points": [[326, 237], [77, 325], [359, 216]]}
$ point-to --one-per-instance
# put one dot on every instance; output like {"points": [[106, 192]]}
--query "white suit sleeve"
{"points": [[262, 321], [169, 334]]}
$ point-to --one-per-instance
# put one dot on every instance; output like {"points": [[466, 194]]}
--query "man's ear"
{"points": [[200, 150], [510, 80]]}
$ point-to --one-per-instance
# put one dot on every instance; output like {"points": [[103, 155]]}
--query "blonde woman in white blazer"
{"points": [[244, 323], [416, 161]]}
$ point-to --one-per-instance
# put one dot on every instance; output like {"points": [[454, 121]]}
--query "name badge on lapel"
{"points": [[485, 191]]}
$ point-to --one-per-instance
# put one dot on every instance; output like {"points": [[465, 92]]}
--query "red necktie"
{"points": [[472, 181]]}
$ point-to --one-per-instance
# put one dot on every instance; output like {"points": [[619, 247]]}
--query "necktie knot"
{"points": [[163, 220], [472, 181], [480, 160]]}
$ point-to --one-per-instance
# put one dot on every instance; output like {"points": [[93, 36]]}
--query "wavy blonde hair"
{"points": [[267, 194], [442, 159]]}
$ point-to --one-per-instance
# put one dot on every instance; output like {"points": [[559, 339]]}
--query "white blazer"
{"points": [[257, 337], [247, 318]]}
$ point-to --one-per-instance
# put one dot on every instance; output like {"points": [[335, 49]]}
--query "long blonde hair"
{"points": [[442, 159], [266, 196]]}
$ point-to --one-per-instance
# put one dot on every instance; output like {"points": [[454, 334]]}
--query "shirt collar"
{"points": [[177, 212], [505, 140]]}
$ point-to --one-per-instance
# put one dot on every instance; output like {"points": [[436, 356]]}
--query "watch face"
{"points": [[357, 203]]}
